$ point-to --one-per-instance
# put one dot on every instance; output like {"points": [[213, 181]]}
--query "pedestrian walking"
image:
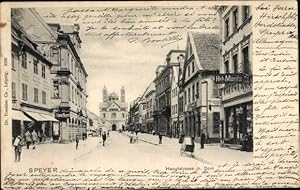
{"points": [[39, 136], [77, 141], [202, 141], [104, 138], [181, 141], [28, 139], [34, 138], [18, 148], [160, 137]]}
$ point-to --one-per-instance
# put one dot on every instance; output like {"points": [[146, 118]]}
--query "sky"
{"points": [[116, 63]]}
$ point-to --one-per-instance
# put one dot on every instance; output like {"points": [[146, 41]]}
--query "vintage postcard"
{"points": [[149, 94]]}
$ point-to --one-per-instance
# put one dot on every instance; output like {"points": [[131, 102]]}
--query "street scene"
{"points": [[79, 100]]}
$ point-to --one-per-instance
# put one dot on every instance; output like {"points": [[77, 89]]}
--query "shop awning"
{"points": [[18, 115], [49, 118], [41, 117]]}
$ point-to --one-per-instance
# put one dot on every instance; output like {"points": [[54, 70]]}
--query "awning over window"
{"points": [[41, 117], [18, 115], [49, 118]]}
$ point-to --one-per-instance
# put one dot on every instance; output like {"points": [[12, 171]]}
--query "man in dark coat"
{"points": [[104, 138], [202, 140], [77, 141]]}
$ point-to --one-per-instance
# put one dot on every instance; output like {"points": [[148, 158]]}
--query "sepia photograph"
{"points": [[150, 95]]}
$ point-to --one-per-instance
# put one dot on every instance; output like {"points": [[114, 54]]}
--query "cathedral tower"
{"points": [[104, 94], [122, 94]]}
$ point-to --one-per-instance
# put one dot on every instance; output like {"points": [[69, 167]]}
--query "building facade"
{"points": [[69, 78], [113, 109], [173, 60], [236, 98], [31, 76], [162, 111], [200, 93], [150, 103]]}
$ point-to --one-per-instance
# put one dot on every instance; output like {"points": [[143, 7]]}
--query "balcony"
{"points": [[63, 71], [235, 90]]}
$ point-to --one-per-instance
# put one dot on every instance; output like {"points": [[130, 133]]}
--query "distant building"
{"points": [[162, 110], [176, 65], [113, 109], [150, 103], [236, 98]]}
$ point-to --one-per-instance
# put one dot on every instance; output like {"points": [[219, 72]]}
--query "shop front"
{"points": [[19, 123], [43, 125], [238, 122]]}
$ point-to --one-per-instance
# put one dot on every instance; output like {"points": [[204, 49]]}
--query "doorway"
{"points": [[114, 127]]}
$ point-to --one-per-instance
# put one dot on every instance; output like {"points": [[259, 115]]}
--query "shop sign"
{"points": [[231, 78], [214, 102], [62, 115]]}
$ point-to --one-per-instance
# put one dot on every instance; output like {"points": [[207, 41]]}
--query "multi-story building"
{"points": [[69, 78], [162, 111], [93, 123], [113, 109], [133, 115], [236, 98], [173, 60], [150, 103], [146, 108], [31, 77], [201, 102]]}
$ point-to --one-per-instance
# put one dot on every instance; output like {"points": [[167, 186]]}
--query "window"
{"points": [[13, 61], [24, 60], [246, 60], [103, 115], [193, 67], [197, 90], [245, 12], [72, 94], [215, 90], [189, 95], [55, 56], [235, 19], [189, 72], [226, 27], [185, 100], [13, 90], [44, 97], [227, 66], [24, 91], [43, 71], [193, 92], [56, 89], [113, 115], [216, 119], [35, 66], [123, 115], [235, 63], [36, 95], [190, 50]]}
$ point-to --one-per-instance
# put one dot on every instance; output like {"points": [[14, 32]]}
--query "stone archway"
{"points": [[114, 127]]}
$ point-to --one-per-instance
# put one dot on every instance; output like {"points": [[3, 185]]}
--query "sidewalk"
{"points": [[212, 154], [49, 153]]}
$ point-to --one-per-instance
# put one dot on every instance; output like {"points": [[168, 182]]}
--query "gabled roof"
{"points": [[113, 103], [207, 49]]}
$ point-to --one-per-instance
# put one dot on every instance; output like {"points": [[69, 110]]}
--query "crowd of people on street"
{"points": [[31, 138]]}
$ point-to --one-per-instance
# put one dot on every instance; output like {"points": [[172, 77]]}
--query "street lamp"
{"points": [[180, 59]]}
